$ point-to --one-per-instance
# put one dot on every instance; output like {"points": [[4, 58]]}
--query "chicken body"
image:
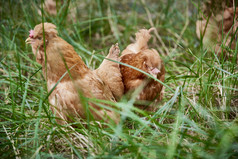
{"points": [[78, 80], [149, 61]]}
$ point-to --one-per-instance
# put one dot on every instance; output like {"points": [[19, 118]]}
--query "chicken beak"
{"points": [[28, 40], [154, 72]]}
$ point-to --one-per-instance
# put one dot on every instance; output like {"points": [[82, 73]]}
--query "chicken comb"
{"points": [[31, 35]]}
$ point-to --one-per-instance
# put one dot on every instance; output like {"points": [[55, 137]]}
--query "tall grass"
{"points": [[197, 118]]}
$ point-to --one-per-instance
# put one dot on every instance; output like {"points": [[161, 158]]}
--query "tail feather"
{"points": [[142, 38]]}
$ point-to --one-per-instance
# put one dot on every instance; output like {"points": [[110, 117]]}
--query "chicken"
{"points": [[148, 60], [56, 7], [219, 31], [62, 60], [50, 7]]}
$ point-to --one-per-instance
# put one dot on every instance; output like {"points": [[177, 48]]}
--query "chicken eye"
{"points": [[144, 63], [147, 66], [39, 38]]}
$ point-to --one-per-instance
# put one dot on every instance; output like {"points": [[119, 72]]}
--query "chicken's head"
{"points": [[152, 63], [36, 36]]}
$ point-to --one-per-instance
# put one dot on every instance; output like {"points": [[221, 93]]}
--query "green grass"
{"points": [[197, 118]]}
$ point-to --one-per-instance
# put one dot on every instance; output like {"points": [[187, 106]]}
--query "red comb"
{"points": [[31, 35]]}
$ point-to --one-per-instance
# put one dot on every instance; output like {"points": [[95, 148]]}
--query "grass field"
{"points": [[196, 119]]}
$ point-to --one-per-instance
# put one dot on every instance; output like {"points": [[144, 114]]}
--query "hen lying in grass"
{"points": [[78, 80], [148, 60]]}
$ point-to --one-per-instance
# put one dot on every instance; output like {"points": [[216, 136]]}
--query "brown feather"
{"points": [[109, 72]]}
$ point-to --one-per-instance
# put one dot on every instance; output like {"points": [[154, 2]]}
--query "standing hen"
{"points": [[61, 59], [148, 60]]}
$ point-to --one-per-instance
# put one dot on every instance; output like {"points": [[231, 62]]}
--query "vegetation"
{"points": [[197, 118]]}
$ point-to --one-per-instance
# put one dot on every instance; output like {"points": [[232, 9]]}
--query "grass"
{"points": [[197, 118]]}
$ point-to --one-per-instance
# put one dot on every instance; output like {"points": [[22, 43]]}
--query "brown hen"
{"points": [[61, 59], [148, 60]]}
